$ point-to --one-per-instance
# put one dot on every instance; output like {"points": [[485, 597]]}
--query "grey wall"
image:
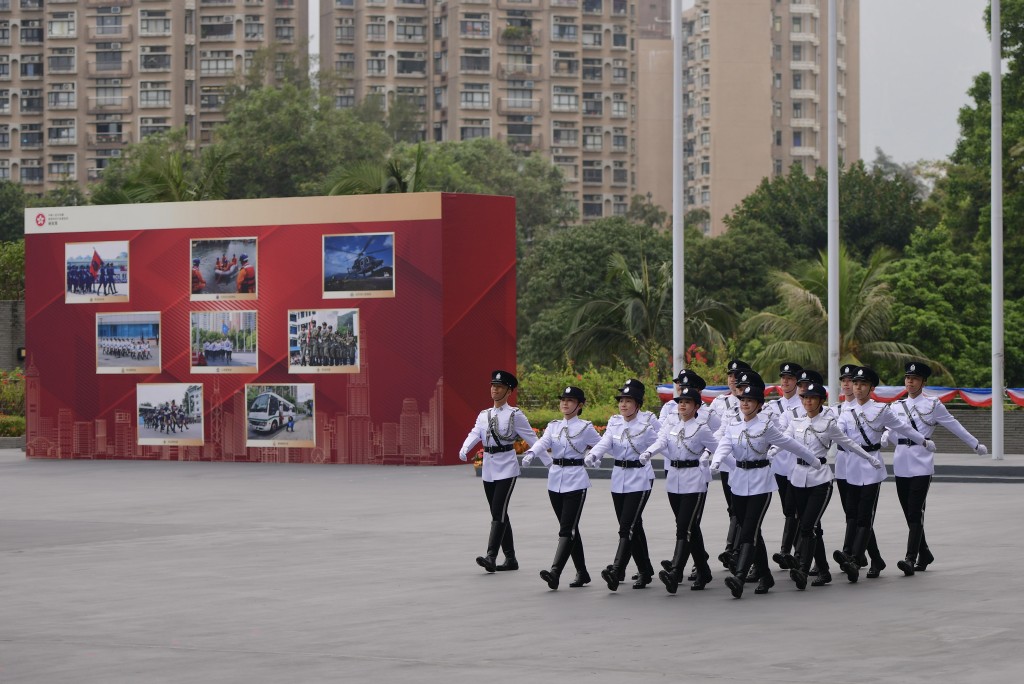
{"points": [[12, 332]]}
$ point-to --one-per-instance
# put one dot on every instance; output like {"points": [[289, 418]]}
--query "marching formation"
{"points": [[122, 347], [758, 447]]}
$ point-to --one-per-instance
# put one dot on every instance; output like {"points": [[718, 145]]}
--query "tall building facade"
{"points": [[551, 77], [81, 79], [755, 99]]}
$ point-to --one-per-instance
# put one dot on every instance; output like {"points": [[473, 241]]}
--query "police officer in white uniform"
{"points": [[746, 445], [625, 438], [568, 441], [497, 428], [913, 464], [811, 481], [726, 409], [686, 443], [864, 422], [782, 463]]}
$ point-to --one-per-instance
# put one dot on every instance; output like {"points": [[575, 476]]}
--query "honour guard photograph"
{"points": [[497, 428], [562, 448]]}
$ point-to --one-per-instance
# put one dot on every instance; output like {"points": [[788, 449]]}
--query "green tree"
{"points": [[372, 178], [12, 269], [643, 210], [12, 210], [163, 168], [300, 137], [798, 330]]}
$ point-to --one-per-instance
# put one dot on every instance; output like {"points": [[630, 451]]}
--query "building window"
{"points": [[565, 134], [592, 139], [31, 136], [778, 80], [61, 132], [211, 62], [61, 61], [777, 166], [154, 94], [592, 35], [568, 167], [345, 31], [564, 99], [798, 139], [346, 62], [620, 141], [592, 7], [31, 32], [564, 28], [475, 128], [798, 110], [593, 206], [154, 23], [62, 166], [218, 28], [158, 58], [475, 25], [31, 66], [619, 106], [284, 29], [565, 63], [619, 37], [410, 30], [798, 53], [31, 101], [593, 104], [211, 98], [61, 25], [778, 138], [376, 64], [620, 73], [345, 98], [475, 60], [151, 125], [592, 70], [253, 27], [412, 64], [61, 96], [620, 174], [475, 96], [798, 80]]}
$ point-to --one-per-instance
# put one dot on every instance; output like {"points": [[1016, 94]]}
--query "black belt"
{"points": [[802, 462], [870, 447], [750, 465], [497, 449], [567, 461], [628, 464], [906, 442], [690, 463]]}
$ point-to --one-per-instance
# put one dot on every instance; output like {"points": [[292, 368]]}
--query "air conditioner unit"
{"points": [[528, 119], [115, 46], [556, 150], [115, 81], [227, 20], [115, 10], [528, 49], [437, 20], [529, 84]]}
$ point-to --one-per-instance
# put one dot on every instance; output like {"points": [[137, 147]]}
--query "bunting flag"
{"points": [[666, 392], [888, 393], [943, 394], [1016, 395], [976, 396], [96, 264]]}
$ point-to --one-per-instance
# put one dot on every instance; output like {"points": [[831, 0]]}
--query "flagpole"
{"points": [[997, 234], [833, 208], [678, 198]]}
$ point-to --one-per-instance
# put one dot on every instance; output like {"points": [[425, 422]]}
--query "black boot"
{"points": [[913, 544], [580, 561], [561, 558], [824, 574], [703, 571], [765, 580], [611, 574], [877, 564], [679, 555], [510, 563], [789, 532], [799, 573], [848, 561], [726, 557], [746, 559], [493, 543], [508, 548], [582, 578], [924, 557], [824, 577]]}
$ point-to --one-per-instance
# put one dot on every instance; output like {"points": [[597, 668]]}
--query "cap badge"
{"points": [[811, 386], [913, 367], [497, 376], [786, 367], [568, 389]]}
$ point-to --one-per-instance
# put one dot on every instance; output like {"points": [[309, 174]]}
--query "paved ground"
{"points": [[204, 572]]}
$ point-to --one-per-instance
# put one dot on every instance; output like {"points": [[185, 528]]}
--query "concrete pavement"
{"points": [[114, 571]]}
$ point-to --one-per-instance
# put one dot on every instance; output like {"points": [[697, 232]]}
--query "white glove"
{"points": [[592, 461], [884, 439], [816, 463], [462, 456], [527, 459], [772, 450], [981, 449], [876, 463], [645, 458], [929, 445], [715, 465]]}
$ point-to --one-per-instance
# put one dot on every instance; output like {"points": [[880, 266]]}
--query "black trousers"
{"points": [[750, 512], [689, 509], [499, 493], [810, 503], [568, 507], [629, 509], [785, 495], [913, 494], [727, 492], [862, 501]]}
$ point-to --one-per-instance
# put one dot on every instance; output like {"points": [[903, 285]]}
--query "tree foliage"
{"points": [[12, 269]]}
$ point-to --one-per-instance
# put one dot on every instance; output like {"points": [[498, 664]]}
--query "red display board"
{"points": [[149, 336]]}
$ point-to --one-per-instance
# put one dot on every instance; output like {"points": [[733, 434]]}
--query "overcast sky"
{"points": [[918, 58]]}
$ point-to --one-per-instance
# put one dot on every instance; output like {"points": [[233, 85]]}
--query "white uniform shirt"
{"points": [[566, 439], [625, 441], [726, 410], [687, 441], [924, 413], [784, 461], [873, 418], [841, 457], [749, 441], [817, 434], [508, 422]]}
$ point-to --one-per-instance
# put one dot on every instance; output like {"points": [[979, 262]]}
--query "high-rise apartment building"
{"points": [[551, 77], [80, 79], [755, 99]]}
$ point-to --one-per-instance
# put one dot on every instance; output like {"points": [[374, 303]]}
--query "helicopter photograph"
{"points": [[359, 265]]}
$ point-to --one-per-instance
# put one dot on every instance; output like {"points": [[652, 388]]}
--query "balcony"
{"points": [[508, 70], [805, 66], [803, 37], [30, 4], [522, 143], [564, 70], [804, 94], [108, 3], [805, 123], [519, 106], [804, 8], [63, 140], [565, 3], [111, 105], [800, 152], [101, 141], [102, 34], [112, 70], [517, 35]]}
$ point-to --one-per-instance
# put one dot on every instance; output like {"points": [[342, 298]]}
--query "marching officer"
{"points": [[686, 444], [626, 437], [913, 464], [497, 429], [746, 444], [865, 422], [726, 409], [782, 464], [568, 440]]}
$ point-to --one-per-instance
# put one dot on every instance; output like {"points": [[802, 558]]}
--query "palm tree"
{"points": [[799, 331], [370, 178], [632, 322]]}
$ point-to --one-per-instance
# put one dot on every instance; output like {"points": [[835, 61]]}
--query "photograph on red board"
{"points": [[223, 342], [323, 341], [128, 342], [223, 269], [280, 415], [96, 272], [359, 266], [169, 414]]}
